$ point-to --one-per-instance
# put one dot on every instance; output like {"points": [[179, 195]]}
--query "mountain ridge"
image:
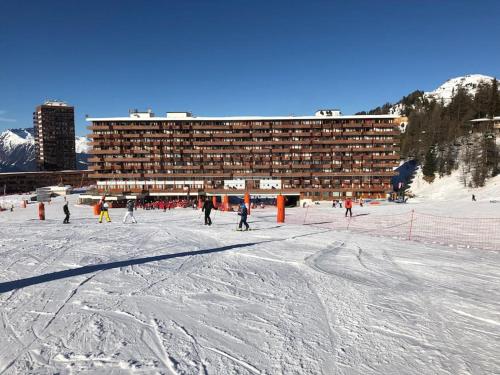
{"points": [[17, 151]]}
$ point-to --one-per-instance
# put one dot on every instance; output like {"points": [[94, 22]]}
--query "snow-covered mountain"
{"points": [[17, 151], [81, 145], [445, 92]]}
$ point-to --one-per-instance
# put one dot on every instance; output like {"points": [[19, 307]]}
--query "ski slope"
{"points": [[171, 296]]}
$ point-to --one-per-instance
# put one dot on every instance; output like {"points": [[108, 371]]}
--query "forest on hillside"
{"points": [[441, 137]]}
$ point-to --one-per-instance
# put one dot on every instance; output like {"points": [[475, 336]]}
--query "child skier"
{"points": [[130, 212], [243, 212], [66, 212]]}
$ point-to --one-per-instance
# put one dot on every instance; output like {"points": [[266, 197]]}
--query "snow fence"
{"points": [[481, 233]]}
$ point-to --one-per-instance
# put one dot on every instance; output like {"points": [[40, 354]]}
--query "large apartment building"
{"points": [[54, 128], [322, 157]]}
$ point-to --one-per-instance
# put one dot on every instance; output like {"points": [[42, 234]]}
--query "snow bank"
{"points": [[452, 189]]}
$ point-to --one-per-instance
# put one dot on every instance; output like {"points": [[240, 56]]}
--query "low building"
{"points": [[24, 182], [487, 125], [322, 157]]}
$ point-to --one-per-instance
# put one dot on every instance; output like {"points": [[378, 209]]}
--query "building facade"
{"points": [[54, 128], [322, 157]]}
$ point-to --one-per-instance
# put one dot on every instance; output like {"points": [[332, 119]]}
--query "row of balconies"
{"points": [[248, 137], [203, 161], [98, 175], [233, 151], [187, 126], [168, 140]]}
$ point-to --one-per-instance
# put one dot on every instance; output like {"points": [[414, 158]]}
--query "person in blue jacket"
{"points": [[243, 212]]}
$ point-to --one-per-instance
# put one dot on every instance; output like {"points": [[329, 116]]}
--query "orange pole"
{"points": [[280, 202], [247, 202], [41, 211], [225, 203], [214, 201], [200, 203]]}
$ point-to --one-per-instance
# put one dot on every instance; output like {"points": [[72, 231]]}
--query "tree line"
{"points": [[439, 135]]}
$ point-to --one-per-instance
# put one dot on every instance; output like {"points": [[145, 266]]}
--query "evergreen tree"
{"points": [[494, 102], [429, 168]]}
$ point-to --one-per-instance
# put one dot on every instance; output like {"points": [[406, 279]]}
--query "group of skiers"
{"points": [[206, 209], [242, 212]]}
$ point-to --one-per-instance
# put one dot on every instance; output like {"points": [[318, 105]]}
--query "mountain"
{"points": [[17, 151], [447, 90], [443, 94]]}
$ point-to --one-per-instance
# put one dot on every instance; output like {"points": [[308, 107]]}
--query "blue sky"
{"points": [[235, 57]]}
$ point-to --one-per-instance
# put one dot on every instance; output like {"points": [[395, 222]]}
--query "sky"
{"points": [[235, 57]]}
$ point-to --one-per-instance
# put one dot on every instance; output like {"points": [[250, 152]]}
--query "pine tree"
{"points": [[430, 165], [494, 102]]}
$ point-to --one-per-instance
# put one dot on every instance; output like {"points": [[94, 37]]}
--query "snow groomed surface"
{"points": [[170, 295]]}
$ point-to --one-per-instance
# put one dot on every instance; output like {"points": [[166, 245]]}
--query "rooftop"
{"points": [[187, 116]]}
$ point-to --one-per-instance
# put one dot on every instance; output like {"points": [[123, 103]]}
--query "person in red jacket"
{"points": [[348, 207]]}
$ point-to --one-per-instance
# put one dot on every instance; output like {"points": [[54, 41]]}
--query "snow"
{"points": [[13, 138], [469, 82], [446, 91], [82, 145], [451, 188], [169, 295]]}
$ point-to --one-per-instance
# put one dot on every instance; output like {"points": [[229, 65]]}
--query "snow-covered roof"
{"points": [[243, 118], [486, 119]]}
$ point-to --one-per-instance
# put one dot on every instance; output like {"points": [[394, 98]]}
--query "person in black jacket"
{"points": [[66, 212], [243, 213], [207, 208]]}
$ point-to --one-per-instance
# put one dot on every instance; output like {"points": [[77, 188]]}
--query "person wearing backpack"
{"points": [[243, 212]]}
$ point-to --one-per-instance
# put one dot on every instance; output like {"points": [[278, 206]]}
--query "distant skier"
{"points": [[243, 212], [104, 211], [340, 203], [334, 204], [207, 208], [66, 212], [130, 212], [473, 198], [348, 207], [361, 202]]}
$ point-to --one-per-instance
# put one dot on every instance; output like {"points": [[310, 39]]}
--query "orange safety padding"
{"points": [[247, 202], [280, 203], [41, 211]]}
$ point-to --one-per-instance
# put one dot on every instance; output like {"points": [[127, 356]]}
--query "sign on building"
{"points": [[43, 194]]}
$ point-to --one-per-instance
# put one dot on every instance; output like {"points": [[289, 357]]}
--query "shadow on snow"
{"points": [[29, 281]]}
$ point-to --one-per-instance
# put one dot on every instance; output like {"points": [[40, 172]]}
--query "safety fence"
{"points": [[481, 233]]}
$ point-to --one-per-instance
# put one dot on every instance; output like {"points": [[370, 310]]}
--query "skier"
{"points": [[243, 213], [130, 212], [340, 203], [66, 212], [334, 204], [207, 208], [361, 202], [473, 198], [348, 207], [104, 211]]}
